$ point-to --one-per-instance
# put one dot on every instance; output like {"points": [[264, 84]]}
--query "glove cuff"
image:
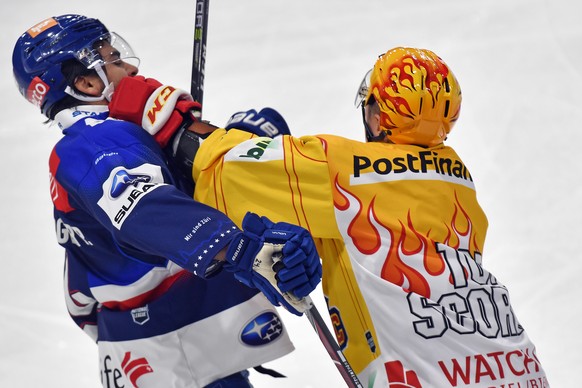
{"points": [[173, 125], [236, 254]]}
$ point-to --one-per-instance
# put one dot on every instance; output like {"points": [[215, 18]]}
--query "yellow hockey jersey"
{"points": [[401, 234]]}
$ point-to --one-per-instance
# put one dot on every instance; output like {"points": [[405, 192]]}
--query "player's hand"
{"points": [[279, 259], [267, 122], [159, 109]]}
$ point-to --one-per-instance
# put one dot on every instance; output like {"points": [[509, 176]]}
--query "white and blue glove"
{"points": [[279, 259], [267, 122]]}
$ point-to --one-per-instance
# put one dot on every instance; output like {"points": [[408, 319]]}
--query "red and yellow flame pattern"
{"points": [[418, 95], [412, 255], [406, 75]]}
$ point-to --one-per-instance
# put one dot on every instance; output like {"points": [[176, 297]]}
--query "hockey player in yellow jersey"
{"points": [[398, 227]]}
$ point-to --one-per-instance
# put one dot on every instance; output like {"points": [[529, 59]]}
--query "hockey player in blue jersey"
{"points": [[155, 278]]}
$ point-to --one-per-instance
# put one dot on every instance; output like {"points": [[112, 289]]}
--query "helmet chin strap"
{"points": [[106, 94]]}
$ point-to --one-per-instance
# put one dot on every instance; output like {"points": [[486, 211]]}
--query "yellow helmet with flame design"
{"points": [[418, 96]]}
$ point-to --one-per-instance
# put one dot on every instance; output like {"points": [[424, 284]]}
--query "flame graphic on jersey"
{"points": [[465, 239], [403, 255]]}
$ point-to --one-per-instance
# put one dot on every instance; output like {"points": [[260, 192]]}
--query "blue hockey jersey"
{"points": [[130, 228], [136, 247]]}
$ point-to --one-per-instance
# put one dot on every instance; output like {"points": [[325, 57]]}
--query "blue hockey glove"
{"points": [[268, 122], [279, 259]]}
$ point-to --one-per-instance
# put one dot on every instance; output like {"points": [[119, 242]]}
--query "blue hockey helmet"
{"points": [[40, 51]]}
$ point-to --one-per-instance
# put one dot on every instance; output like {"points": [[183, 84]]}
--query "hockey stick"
{"points": [[328, 340], [185, 143], [199, 54], [330, 344], [197, 92]]}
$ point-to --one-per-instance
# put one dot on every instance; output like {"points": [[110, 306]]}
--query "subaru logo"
{"points": [[262, 329]]}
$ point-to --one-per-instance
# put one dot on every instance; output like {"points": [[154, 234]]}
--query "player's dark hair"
{"points": [[71, 69]]}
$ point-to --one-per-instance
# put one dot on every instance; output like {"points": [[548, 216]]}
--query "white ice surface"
{"points": [[518, 63]]}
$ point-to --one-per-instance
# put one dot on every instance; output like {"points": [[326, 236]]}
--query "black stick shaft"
{"points": [[333, 349], [199, 54]]}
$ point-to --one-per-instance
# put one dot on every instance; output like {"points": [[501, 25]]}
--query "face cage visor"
{"points": [[363, 90], [106, 49]]}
